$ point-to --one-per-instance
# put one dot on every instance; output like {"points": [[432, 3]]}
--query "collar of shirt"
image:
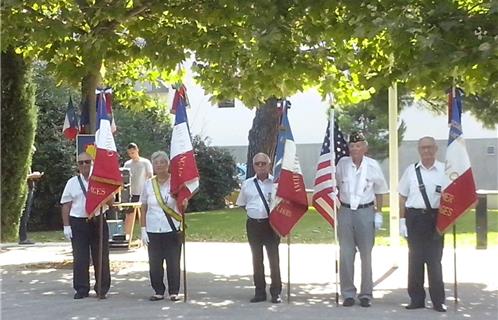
{"points": [[270, 177], [433, 167]]}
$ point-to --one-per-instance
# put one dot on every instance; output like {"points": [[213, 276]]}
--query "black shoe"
{"points": [[348, 302], [439, 307], [258, 299], [413, 306], [79, 295], [156, 297], [276, 299], [27, 241], [365, 302]]}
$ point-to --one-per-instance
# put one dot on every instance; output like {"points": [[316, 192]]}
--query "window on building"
{"points": [[491, 150]]}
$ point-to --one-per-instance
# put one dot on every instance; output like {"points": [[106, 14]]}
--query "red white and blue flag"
{"points": [[290, 201], [70, 128], [105, 180], [184, 173], [107, 93], [459, 192], [334, 147]]}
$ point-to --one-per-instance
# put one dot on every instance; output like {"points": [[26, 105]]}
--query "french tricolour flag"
{"points": [[70, 128], [184, 173], [459, 192], [106, 179], [290, 202]]}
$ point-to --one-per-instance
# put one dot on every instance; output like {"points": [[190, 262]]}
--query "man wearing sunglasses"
{"points": [[254, 197], [84, 233]]}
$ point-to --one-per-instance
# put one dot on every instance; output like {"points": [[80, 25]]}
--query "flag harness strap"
{"points": [[262, 196], [168, 212], [421, 186], [82, 186]]}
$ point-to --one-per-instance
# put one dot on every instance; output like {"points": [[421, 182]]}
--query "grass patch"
{"points": [[228, 225]]}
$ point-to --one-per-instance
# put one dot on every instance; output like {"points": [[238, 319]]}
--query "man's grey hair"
{"points": [[261, 154], [431, 139], [159, 155]]}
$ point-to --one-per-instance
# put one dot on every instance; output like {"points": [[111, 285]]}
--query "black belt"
{"points": [[258, 220], [361, 206], [421, 211]]}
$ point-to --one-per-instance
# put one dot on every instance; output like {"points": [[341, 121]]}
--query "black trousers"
{"points": [[165, 247], [85, 241], [425, 247], [260, 234], [23, 223]]}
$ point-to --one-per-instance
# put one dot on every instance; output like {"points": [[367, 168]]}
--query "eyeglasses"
{"points": [[82, 162], [260, 163]]}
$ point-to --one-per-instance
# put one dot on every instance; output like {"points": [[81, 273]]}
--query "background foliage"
{"points": [[217, 170], [19, 117]]}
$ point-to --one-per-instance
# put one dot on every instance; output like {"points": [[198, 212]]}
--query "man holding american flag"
{"points": [[361, 184]]}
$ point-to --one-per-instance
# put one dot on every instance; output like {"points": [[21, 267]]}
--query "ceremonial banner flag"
{"points": [[290, 202], [107, 93], [184, 173], [105, 179], [334, 147], [459, 192], [70, 128]]}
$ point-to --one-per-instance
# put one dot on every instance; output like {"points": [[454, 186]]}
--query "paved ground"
{"points": [[36, 284]]}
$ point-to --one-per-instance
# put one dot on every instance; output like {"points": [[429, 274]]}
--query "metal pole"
{"points": [[288, 267], [336, 256], [184, 234], [393, 170], [101, 249], [455, 281]]}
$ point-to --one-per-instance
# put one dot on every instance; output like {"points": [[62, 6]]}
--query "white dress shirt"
{"points": [[250, 199], [359, 185], [155, 218], [433, 179], [74, 194]]}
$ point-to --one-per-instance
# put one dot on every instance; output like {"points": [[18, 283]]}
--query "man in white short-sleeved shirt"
{"points": [[361, 185], [84, 233], [417, 223], [259, 231]]}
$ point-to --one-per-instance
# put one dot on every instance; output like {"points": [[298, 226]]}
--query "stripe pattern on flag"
{"points": [[459, 191], [325, 187]]}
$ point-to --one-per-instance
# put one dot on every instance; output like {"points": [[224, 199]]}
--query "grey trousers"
{"points": [[356, 231]]}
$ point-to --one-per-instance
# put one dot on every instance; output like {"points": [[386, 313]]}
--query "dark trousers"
{"points": [[23, 224], [425, 247], [165, 247], [85, 241], [259, 234]]}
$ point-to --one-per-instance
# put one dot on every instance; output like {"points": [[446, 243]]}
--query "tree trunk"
{"points": [[89, 84], [263, 134], [19, 115]]}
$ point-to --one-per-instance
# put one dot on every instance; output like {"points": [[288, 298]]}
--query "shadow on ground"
{"points": [[44, 291]]}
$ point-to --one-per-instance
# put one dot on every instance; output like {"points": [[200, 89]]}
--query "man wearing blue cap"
{"points": [[361, 184]]}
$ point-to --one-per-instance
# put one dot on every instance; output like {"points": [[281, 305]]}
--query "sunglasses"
{"points": [[82, 162], [260, 163]]}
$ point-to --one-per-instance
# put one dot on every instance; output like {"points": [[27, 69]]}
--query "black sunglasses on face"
{"points": [[81, 162]]}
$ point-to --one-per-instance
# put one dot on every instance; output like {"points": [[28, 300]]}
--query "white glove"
{"points": [[378, 220], [403, 231], [68, 232], [144, 237]]}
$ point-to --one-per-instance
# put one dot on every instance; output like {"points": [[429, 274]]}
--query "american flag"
{"points": [[325, 190]]}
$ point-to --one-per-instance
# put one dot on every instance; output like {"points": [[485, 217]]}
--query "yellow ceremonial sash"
{"points": [[167, 210]]}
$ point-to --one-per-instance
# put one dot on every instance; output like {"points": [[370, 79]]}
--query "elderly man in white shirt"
{"points": [[255, 196], [84, 233], [361, 185], [419, 203]]}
